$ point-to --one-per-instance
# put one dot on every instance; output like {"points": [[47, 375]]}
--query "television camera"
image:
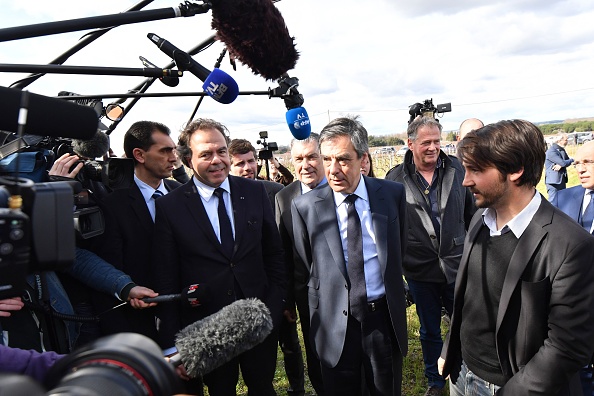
{"points": [[427, 109]]}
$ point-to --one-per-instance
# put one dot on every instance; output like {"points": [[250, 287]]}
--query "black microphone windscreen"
{"points": [[97, 146], [255, 32], [213, 341], [47, 116]]}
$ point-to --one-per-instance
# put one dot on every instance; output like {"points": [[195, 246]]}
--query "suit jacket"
{"points": [[126, 245], [570, 201], [272, 188], [556, 155], [428, 258], [297, 270], [189, 252], [545, 321], [318, 243]]}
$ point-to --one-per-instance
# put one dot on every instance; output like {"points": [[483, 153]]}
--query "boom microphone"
{"points": [[194, 295], [97, 146], [215, 340], [47, 116], [217, 84], [254, 32]]}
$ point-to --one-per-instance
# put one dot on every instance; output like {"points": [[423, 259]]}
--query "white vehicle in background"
{"points": [[402, 151]]}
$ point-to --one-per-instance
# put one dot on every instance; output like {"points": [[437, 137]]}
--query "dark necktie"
{"points": [[358, 291], [588, 215], [157, 194], [224, 224]]}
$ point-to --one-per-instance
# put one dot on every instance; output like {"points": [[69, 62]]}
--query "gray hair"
{"points": [[313, 137], [561, 136], [419, 122], [347, 126]]}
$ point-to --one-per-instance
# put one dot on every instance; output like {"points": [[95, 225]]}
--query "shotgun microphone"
{"points": [[215, 340]]}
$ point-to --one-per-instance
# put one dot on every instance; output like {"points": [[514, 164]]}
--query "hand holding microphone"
{"points": [[193, 295]]}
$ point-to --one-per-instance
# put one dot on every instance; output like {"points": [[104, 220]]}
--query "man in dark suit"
{"points": [[351, 233], [243, 164], [556, 163], [129, 222], [523, 319], [219, 231], [306, 158]]}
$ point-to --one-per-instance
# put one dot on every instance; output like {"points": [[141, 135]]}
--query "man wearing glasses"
{"points": [[578, 203]]}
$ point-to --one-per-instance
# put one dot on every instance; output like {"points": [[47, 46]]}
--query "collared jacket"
{"points": [[429, 258]]}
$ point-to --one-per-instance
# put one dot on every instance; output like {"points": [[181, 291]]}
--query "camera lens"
{"points": [[124, 364]]}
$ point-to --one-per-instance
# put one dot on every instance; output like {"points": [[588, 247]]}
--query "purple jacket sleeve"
{"points": [[31, 363]]}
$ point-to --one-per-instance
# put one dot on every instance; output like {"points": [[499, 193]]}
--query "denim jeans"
{"points": [[429, 298], [470, 384]]}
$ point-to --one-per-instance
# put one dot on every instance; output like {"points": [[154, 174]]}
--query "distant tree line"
{"points": [[388, 140], [579, 126]]}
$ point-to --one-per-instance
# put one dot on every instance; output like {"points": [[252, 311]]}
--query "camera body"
{"points": [[268, 147], [427, 109]]}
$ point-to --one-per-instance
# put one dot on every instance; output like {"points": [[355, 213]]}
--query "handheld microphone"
{"points": [[92, 148], [194, 295], [298, 122], [215, 340], [47, 116], [217, 84]]}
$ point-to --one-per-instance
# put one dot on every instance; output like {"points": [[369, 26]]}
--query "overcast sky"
{"points": [[530, 59]]}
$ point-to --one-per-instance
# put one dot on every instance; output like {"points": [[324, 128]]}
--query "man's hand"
{"points": [[440, 363], [556, 167], [138, 292], [62, 165], [290, 315], [10, 304]]}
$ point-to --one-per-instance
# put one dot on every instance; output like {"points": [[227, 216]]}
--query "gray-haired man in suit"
{"points": [[351, 233]]}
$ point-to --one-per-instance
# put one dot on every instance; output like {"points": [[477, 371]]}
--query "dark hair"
{"points": [[140, 135], [347, 126], [241, 146], [199, 124], [370, 173], [509, 146]]}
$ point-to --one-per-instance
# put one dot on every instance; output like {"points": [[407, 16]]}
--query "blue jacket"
{"points": [[556, 155], [89, 269]]}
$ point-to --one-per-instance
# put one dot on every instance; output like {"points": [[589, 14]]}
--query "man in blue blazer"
{"points": [[577, 202], [356, 294], [556, 163]]}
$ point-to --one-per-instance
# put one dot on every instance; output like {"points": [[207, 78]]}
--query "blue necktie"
{"points": [[358, 290], [157, 194], [227, 241], [588, 215]]}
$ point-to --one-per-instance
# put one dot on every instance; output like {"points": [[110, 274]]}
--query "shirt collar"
{"points": [[206, 192], [519, 223], [146, 190], [360, 191], [305, 188]]}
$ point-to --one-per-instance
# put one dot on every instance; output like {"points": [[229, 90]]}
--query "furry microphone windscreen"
{"points": [[97, 146], [255, 32], [213, 341]]}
